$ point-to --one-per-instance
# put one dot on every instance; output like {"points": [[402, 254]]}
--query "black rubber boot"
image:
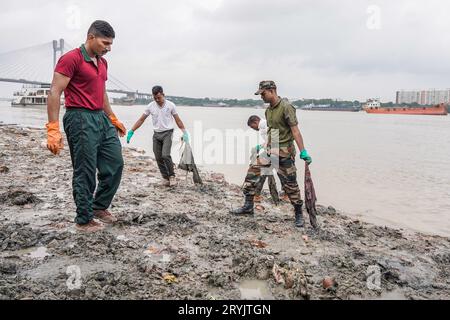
{"points": [[298, 216], [247, 209]]}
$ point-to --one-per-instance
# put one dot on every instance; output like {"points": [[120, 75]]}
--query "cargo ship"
{"points": [[328, 107], [374, 106]]}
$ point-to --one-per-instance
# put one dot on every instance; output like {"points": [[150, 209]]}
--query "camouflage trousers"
{"points": [[260, 184], [287, 172]]}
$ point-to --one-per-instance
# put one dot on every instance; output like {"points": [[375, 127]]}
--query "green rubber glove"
{"points": [[258, 147], [186, 136], [305, 156], [129, 135]]}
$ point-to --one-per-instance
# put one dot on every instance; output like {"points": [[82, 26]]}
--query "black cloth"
{"points": [[187, 163]]}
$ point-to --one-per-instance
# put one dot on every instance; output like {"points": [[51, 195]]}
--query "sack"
{"points": [[187, 163]]}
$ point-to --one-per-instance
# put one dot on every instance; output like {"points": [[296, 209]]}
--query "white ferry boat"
{"points": [[32, 95], [372, 104]]}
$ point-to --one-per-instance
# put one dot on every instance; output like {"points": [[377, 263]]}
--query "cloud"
{"points": [[223, 48]]}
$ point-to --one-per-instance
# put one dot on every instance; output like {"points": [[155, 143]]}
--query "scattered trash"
{"points": [[258, 243], [153, 250], [170, 278], [288, 280], [278, 274], [328, 283]]}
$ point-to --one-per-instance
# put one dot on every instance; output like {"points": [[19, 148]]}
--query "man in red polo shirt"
{"points": [[90, 126]]}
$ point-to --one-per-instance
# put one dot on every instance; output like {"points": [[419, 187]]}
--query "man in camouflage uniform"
{"points": [[282, 132]]}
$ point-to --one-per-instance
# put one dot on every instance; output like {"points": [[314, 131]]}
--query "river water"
{"points": [[387, 169]]}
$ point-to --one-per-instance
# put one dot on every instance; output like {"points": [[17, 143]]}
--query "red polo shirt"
{"points": [[86, 88]]}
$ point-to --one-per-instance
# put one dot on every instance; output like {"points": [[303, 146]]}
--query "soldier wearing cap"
{"points": [[282, 132]]}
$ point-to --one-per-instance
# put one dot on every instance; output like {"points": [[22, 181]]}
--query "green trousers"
{"points": [[94, 149]]}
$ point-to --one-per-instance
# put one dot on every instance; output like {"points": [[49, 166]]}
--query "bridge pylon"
{"points": [[56, 49]]}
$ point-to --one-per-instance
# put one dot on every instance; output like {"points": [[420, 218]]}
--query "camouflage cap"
{"points": [[266, 84]]}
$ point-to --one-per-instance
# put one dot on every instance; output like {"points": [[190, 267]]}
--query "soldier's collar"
{"points": [[277, 104]]}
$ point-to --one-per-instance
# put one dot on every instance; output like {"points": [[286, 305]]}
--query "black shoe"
{"points": [[299, 223], [247, 209]]}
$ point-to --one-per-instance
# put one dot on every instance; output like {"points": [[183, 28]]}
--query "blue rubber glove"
{"points": [[185, 136], [305, 156], [258, 147], [129, 135]]}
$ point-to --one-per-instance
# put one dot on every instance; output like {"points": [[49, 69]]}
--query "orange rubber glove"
{"points": [[119, 125], [54, 138]]}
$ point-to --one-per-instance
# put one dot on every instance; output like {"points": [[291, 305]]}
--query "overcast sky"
{"points": [[222, 48]]}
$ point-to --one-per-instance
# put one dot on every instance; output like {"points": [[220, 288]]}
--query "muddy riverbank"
{"points": [[181, 242]]}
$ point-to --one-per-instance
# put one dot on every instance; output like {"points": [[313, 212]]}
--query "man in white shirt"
{"points": [[163, 114]]}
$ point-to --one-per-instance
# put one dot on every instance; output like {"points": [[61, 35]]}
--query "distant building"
{"points": [[424, 97]]}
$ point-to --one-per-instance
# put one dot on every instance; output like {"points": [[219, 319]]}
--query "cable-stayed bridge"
{"points": [[34, 65]]}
